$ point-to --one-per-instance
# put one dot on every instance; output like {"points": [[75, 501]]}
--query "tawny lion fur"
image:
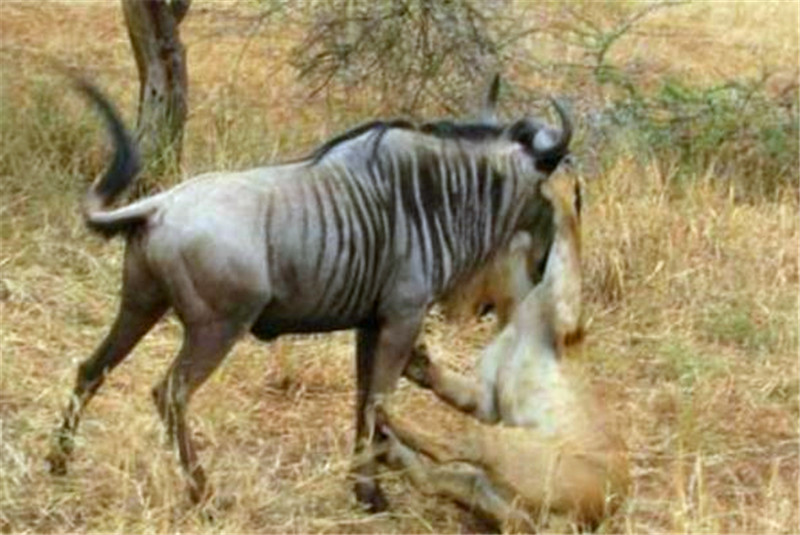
{"points": [[542, 445]]}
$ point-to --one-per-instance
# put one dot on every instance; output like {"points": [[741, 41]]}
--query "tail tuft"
{"points": [[120, 173]]}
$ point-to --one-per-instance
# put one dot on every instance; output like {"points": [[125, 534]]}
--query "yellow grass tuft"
{"points": [[691, 299]]}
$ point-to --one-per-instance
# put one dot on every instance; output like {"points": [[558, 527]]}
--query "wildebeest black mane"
{"points": [[379, 127], [466, 131], [444, 129]]}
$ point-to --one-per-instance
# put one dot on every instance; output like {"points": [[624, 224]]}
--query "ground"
{"points": [[691, 301]]}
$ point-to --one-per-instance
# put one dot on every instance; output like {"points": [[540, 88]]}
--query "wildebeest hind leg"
{"points": [[204, 347], [143, 304]]}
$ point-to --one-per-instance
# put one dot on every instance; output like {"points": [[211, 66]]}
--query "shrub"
{"points": [[412, 52], [734, 132]]}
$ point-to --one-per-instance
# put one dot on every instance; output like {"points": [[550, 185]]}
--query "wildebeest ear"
{"points": [[523, 132], [489, 109]]}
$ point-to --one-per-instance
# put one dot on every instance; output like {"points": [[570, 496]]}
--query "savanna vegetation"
{"points": [[687, 140]]}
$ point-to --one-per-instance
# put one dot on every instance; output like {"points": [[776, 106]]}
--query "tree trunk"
{"points": [[161, 62]]}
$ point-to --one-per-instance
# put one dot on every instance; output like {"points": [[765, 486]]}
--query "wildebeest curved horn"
{"points": [[560, 146]]}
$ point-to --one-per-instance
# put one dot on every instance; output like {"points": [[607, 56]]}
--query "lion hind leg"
{"points": [[454, 478]]}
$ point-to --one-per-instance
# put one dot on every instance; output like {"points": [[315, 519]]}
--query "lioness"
{"points": [[549, 451]]}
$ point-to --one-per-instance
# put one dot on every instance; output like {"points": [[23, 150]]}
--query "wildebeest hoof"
{"points": [[57, 463], [214, 507], [371, 497]]}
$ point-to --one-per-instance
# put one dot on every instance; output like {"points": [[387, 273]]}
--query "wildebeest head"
{"points": [[501, 284], [547, 145]]}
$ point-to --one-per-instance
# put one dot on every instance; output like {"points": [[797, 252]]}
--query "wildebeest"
{"points": [[503, 282], [549, 450], [366, 233]]}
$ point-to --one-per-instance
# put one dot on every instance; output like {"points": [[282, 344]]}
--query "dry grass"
{"points": [[691, 299]]}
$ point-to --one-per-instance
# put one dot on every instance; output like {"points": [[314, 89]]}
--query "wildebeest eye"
{"points": [[549, 164]]}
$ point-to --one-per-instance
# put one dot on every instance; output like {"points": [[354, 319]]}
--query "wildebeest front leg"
{"points": [[382, 354], [367, 491]]}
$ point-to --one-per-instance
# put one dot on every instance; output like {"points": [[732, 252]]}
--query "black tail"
{"points": [[125, 165]]}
